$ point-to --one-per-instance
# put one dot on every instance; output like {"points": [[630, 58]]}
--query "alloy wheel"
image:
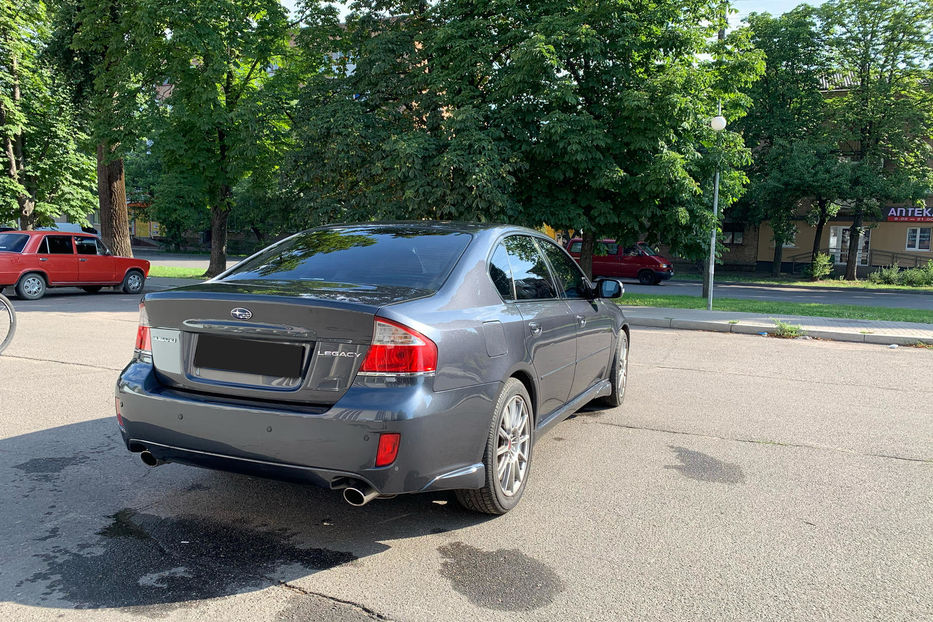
{"points": [[513, 446]]}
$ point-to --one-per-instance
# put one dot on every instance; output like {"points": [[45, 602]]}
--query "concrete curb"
{"points": [[747, 327]]}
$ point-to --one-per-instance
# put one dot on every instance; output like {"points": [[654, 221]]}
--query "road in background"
{"points": [[840, 296], [744, 478]]}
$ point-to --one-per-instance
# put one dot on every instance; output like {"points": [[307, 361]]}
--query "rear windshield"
{"points": [[391, 256], [13, 242]]}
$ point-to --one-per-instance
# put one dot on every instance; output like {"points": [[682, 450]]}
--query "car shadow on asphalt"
{"points": [[88, 526]]}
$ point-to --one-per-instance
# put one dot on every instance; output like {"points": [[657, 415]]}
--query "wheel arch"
{"points": [[40, 272], [527, 379]]}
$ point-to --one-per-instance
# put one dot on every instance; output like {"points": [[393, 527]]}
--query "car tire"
{"points": [[31, 286], [511, 434], [133, 282], [618, 373], [92, 289], [646, 277]]}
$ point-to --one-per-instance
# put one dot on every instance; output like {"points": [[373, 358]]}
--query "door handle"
{"points": [[43, 258], [535, 328], [581, 320], [82, 260]]}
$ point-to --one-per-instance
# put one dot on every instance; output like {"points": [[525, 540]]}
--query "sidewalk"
{"points": [[837, 329]]}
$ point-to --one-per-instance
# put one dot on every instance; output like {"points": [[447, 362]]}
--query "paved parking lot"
{"points": [[744, 478]]}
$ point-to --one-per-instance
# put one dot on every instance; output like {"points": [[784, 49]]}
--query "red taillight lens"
{"points": [[119, 412], [143, 338], [388, 448], [398, 349]]}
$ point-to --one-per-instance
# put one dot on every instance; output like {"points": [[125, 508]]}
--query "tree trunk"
{"points": [[778, 258], [855, 238], [586, 251], [111, 196], [820, 225], [219, 216]]}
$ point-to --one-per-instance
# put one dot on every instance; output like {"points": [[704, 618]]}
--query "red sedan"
{"points": [[33, 261]]}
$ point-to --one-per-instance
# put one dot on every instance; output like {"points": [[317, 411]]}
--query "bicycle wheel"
{"points": [[7, 322]]}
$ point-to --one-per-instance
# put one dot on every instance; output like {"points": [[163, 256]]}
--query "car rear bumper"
{"points": [[443, 434]]}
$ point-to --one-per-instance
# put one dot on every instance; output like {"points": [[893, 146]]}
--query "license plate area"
{"points": [[253, 362]]}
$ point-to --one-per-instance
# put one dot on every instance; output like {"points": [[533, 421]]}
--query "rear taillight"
{"points": [[143, 337], [397, 349], [388, 448]]}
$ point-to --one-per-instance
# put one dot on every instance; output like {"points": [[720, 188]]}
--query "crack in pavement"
{"points": [[41, 360], [757, 442], [764, 377], [363, 608]]}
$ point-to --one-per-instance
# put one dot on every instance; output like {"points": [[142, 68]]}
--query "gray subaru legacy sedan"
{"points": [[376, 359]]}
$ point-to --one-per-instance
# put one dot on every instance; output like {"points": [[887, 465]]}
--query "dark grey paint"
{"points": [[325, 427]]}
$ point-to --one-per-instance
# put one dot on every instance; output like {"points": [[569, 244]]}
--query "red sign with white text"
{"points": [[910, 214]]}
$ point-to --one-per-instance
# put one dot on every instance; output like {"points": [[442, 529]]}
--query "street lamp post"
{"points": [[718, 123]]}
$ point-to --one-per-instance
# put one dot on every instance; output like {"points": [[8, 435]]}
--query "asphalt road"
{"points": [[864, 297], [744, 478], [827, 295]]}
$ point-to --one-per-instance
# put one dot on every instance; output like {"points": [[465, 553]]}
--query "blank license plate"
{"points": [[246, 356]]}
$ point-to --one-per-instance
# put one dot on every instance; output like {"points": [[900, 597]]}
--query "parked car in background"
{"points": [[33, 261], [377, 359], [639, 261]]}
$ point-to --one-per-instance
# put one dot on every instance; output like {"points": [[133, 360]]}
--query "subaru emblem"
{"points": [[241, 314]]}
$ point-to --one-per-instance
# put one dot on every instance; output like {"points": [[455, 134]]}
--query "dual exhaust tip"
{"points": [[355, 496]]}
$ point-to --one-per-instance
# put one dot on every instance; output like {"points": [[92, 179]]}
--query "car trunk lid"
{"points": [[270, 340]]}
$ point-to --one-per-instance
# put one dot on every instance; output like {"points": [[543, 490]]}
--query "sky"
{"points": [[744, 7]]}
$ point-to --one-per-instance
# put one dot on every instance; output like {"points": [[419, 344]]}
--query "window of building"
{"points": [[734, 238], [918, 238]]}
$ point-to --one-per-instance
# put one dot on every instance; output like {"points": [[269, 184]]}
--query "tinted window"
{"points": [[57, 245], [501, 273], [529, 270], [86, 246], [569, 277], [606, 248], [575, 247], [414, 257], [12, 242]]}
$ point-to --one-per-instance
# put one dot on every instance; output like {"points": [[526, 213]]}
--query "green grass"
{"points": [[176, 272], [760, 279], [853, 312]]}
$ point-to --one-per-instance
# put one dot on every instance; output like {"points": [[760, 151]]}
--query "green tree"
{"points": [[46, 174], [795, 147], [886, 116], [221, 118], [585, 115], [98, 47]]}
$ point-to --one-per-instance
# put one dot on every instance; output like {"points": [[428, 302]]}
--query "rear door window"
{"points": [[529, 269], [13, 242], [57, 245], [501, 273]]}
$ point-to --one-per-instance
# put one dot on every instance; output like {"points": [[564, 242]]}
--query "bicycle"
{"points": [[7, 321]]}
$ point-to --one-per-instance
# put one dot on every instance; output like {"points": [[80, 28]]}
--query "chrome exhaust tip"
{"points": [[150, 460], [357, 497]]}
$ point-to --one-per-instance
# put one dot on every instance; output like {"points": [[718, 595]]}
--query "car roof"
{"points": [[54, 232], [426, 225]]}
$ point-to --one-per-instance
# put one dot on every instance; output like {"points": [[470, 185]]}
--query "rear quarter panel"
{"points": [[125, 264]]}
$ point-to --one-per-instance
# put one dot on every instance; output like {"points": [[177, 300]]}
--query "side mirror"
{"points": [[609, 288]]}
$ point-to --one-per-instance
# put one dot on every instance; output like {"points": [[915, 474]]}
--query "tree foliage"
{"points": [[221, 121], [584, 115], [45, 172], [886, 117]]}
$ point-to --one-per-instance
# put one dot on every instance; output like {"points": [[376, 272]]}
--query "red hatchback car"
{"points": [[633, 262], [33, 261]]}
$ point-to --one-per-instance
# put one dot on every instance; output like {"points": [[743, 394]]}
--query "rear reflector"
{"points": [[397, 349], [143, 337], [388, 449], [116, 401]]}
